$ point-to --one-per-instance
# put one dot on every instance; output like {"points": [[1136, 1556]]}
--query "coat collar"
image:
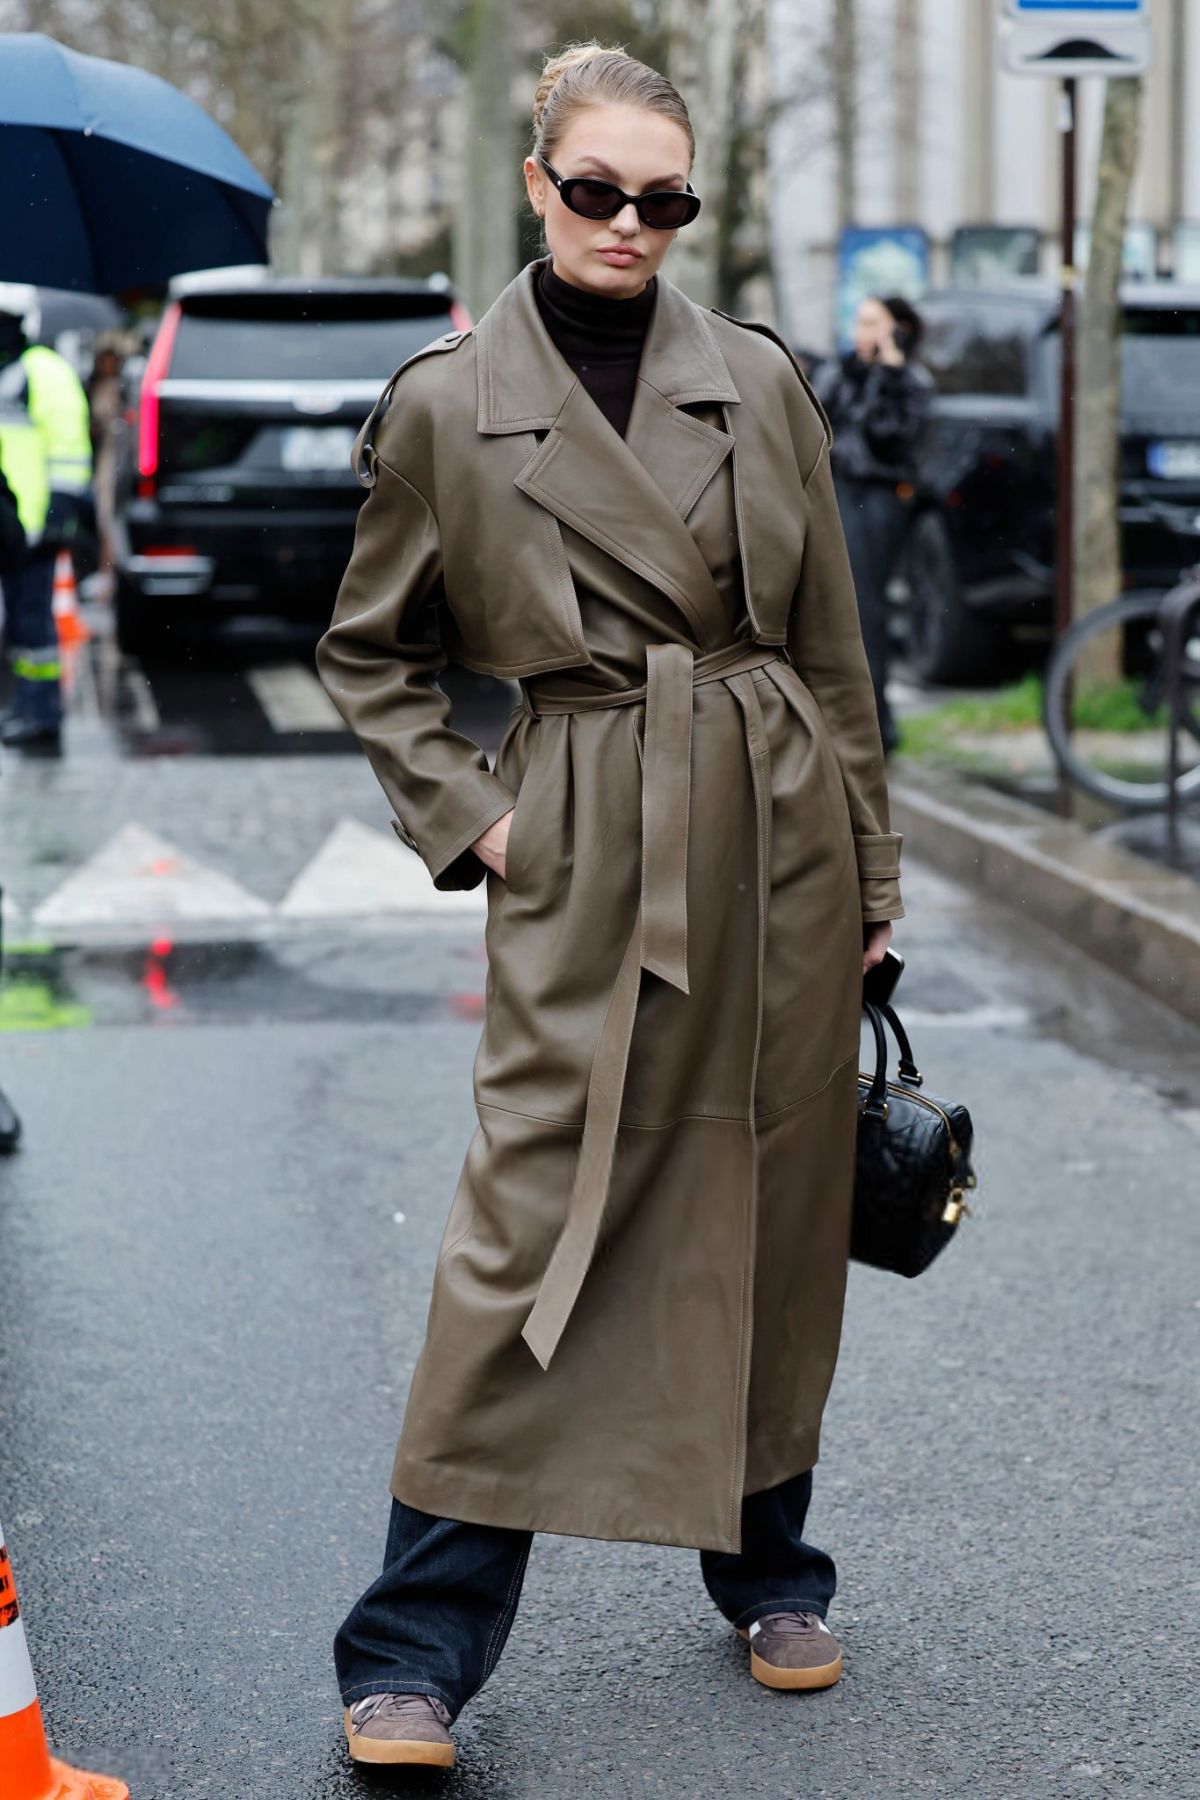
{"points": [[523, 381], [630, 496]]}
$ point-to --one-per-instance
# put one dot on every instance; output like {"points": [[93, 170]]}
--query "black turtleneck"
{"points": [[599, 336]]}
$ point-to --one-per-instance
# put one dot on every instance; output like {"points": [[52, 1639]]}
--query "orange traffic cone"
{"points": [[28, 1769], [71, 629]]}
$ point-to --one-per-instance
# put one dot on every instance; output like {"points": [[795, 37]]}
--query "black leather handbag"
{"points": [[913, 1166]]}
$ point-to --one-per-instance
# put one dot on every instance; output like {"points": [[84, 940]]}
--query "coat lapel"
{"points": [[630, 496]]}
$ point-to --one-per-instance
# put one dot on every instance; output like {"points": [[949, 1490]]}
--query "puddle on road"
{"points": [[51, 988]]}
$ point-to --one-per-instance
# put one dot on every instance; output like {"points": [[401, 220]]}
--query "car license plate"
{"points": [[320, 448], [1174, 461]]}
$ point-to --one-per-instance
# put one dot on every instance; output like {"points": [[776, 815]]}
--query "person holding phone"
{"points": [[877, 399]]}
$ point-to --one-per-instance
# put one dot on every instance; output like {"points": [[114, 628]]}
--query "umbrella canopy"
{"points": [[112, 179]]}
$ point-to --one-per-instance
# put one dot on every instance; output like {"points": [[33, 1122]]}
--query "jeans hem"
{"points": [[397, 1685], [763, 1607]]}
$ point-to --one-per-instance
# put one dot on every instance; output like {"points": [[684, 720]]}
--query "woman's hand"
{"points": [[889, 351], [876, 939], [491, 846]]}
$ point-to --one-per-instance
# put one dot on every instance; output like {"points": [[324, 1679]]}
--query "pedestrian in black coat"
{"points": [[877, 398]]}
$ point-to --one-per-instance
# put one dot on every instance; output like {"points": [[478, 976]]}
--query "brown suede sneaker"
{"points": [[793, 1650], [399, 1728]]}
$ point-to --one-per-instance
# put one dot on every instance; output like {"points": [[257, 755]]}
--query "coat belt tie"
{"points": [[658, 942]]}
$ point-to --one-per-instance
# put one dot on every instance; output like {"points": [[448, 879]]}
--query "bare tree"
{"points": [[844, 69], [701, 49], [485, 229]]}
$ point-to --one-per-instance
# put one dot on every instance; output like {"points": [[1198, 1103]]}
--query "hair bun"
{"points": [[570, 58]]}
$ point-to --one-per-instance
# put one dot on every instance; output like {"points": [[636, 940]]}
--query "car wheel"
{"points": [[945, 641]]}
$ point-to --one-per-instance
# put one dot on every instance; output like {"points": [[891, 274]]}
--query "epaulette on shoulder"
{"points": [[363, 459], [769, 331]]}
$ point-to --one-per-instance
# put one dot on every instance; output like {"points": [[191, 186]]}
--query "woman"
{"points": [[624, 501], [876, 399]]}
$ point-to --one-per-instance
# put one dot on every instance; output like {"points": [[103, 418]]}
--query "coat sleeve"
{"points": [[826, 645], [379, 662]]}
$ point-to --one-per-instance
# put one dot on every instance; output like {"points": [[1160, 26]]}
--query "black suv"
{"points": [[235, 493], [977, 567]]}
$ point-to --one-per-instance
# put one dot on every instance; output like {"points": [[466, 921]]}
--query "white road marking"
{"points": [[139, 880], [359, 872], [293, 699], [141, 698]]}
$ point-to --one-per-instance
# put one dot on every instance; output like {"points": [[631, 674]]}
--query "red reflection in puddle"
{"points": [[154, 976]]}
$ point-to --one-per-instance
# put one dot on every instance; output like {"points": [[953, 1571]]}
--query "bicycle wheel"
{"points": [[1114, 745]]}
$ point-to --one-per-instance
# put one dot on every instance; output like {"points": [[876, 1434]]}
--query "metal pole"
{"points": [[1064, 549], [1064, 556]]}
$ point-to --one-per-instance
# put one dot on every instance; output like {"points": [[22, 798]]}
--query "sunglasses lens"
{"points": [[595, 199], [666, 211]]}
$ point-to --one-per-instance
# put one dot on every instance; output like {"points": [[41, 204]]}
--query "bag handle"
{"points": [[908, 1068], [875, 1104]]}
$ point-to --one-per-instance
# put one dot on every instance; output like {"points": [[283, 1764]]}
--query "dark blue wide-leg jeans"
{"points": [[438, 1617]]}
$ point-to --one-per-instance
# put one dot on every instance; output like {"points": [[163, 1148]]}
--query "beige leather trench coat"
{"points": [[638, 1298]]}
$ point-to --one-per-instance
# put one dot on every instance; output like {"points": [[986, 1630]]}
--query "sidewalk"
{"points": [[1128, 911]]}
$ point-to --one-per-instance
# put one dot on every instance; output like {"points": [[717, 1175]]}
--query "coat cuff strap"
{"points": [[878, 854], [451, 861]]}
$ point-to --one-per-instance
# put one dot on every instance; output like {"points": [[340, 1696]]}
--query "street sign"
{"points": [[1103, 11], [1064, 38]]}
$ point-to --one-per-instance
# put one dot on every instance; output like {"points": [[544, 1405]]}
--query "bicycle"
{"points": [[1113, 739]]}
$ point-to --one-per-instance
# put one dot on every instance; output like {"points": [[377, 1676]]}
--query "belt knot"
{"points": [[658, 943]]}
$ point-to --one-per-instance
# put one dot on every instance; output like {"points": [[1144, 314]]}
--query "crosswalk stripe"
{"points": [[293, 699]]}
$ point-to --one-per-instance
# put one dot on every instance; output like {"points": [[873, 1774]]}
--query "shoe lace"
{"points": [[393, 1706], [791, 1624]]}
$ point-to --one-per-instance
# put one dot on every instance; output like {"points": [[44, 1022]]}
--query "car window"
{"points": [[977, 350], [268, 349], [1160, 361]]}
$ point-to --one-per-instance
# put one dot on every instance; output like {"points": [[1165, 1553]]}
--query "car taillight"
{"points": [[460, 318], [156, 367]]}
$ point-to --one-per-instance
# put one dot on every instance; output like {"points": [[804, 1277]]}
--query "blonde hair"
{"points": [[590, 74]]}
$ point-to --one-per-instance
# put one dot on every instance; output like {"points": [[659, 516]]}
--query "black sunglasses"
{"points": [[664, 210]]}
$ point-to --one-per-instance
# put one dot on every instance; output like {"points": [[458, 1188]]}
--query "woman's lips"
{"points": [[620, 257]]}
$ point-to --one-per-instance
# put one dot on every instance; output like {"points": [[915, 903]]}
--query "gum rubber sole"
{"points": [[792, 1680], [417, 1751]]}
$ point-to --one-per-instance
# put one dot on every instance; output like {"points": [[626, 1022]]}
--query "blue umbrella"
{"points": [[112, 179]]}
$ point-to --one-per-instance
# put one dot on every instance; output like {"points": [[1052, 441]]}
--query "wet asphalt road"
{"points": [[217, 1249]]}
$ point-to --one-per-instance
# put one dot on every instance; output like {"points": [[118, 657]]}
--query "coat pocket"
{"points": [[515, 834]]}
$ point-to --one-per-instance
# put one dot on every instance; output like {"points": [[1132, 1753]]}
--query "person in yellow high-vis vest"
{"points": [[46, 457]]}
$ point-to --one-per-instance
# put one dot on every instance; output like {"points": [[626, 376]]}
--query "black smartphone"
{"points": [[879, 982]]}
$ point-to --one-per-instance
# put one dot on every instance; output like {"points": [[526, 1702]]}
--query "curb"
{"points": [[1127, 912]]}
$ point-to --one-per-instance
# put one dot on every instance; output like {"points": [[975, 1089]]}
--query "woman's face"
{"points": [[640, 151], [873, 326]]}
